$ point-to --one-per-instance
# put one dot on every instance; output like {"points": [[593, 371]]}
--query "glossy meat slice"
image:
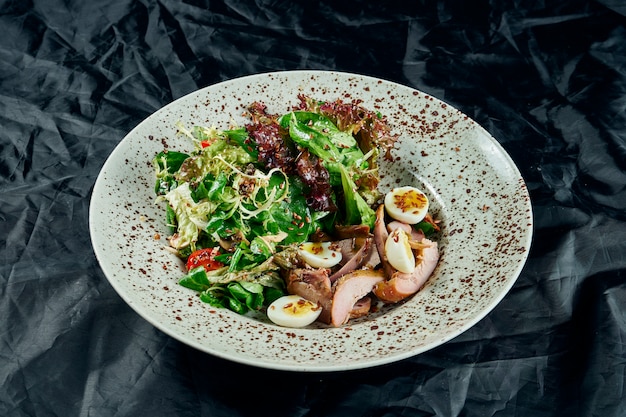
{"points": [[352, 231], [313, 285], [349, 289], [398, 285], [361, 308], [416, 235], [380, 237], [402, 285], [356, 259]]}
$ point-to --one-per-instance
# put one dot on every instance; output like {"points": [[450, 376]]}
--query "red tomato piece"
{"points": [[205, 258]]}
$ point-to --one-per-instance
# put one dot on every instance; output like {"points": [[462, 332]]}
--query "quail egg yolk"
{"points": [[399, 252], [406, 204], [293, 311], [320, 254]]}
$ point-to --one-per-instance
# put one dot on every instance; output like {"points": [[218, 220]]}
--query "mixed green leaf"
{"points": [[255, 190]]}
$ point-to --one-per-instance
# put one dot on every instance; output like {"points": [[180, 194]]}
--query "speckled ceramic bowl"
{"points": [[474, 187]]}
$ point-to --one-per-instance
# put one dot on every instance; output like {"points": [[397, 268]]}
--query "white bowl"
{"points": [[474, 186]]}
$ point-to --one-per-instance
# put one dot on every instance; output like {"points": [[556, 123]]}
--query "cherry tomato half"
{"points": [[205, 258]]}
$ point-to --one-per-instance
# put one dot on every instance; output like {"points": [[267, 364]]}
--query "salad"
{"points": [[283, 215]]}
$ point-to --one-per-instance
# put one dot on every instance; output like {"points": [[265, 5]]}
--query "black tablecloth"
{"points": [[547, 79]]}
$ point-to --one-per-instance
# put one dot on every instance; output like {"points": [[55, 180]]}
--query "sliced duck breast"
{"points": [[380, 237], [352, 231], [416, 235], [361, 308], [398, 285], [402, 285], [313, 285], [349, 289], [356, 260]]}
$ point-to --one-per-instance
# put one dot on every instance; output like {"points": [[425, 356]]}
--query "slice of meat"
{"points": [[393, 225], [380, 237], [348, 248], [352, 231], [402, 285], [313, 285], [361, 308], [416, 235], [372, 261], [356, 260], [349, 289]]}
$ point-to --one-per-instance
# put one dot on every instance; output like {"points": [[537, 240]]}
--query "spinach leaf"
{"points": [[322, 137], [214, 298], [310, 137], [170, 161], [271, 294], [166, 164], [425, 227], [196, 280], [238, 296], [291, 216], [211, 187]]}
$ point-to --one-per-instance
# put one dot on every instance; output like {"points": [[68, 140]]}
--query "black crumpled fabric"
{"points": [[547, 79]]}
